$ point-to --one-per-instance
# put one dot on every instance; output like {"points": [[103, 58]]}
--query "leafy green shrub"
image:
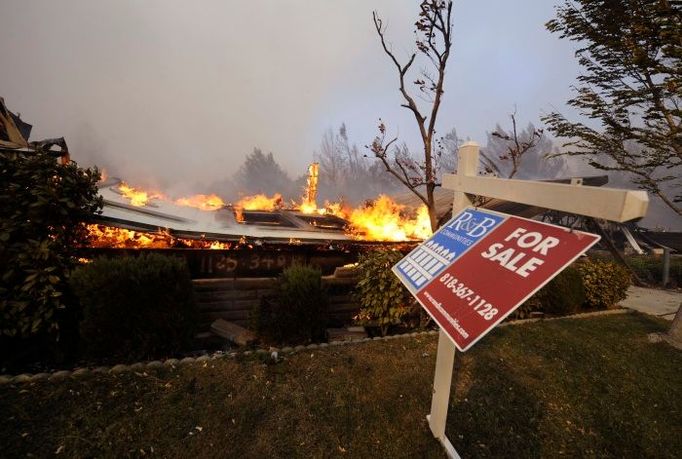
{"points": [[564, 294], [383, 298], [650, 269], [135, 307], [605, 282], [42, 208], [299, 310]]}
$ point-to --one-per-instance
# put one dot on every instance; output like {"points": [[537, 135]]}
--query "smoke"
{"points": [[175, 94]]}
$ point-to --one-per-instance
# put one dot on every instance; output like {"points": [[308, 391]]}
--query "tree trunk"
{"points": [[433, 213], [675, 333]]}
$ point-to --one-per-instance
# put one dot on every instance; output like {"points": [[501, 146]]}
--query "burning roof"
{"points": [[134, 217]]}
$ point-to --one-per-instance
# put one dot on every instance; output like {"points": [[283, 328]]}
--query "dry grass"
{"points": [[589, 387]]}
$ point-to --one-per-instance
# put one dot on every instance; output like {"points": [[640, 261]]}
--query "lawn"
{"points": [[575, 387]]}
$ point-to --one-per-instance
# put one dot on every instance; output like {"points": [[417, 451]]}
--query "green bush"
{"points": [[650, 269], [299, 310], [135, 307], [564, 294], [383, 299], [605, 282], [43, 205]]}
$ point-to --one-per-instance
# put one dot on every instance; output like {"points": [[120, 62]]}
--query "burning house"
{"points": [[136, 218], [234, 249]]}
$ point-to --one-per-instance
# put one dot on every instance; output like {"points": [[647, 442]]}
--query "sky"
{"points": [[174, 94], [187, 89]]}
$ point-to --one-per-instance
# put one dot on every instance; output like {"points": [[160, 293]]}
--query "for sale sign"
{"points": [[499, 261]]}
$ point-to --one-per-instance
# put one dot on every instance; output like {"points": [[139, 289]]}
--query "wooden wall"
{"points": [[233, 299]]}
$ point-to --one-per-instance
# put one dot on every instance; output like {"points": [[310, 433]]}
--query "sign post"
{"points": [[467, 165], [481, 265]]}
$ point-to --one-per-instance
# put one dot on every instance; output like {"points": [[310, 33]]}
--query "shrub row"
{"points": [[143, 306], [135, 307], [298, 312], [588, 284], [650, 269]]}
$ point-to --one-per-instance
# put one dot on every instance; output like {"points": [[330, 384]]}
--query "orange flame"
{"points": [[309, 208], [202, 201], [381, 220], [260, 202], [384, 220], [102, 236], [257, 202], [137, 197]]}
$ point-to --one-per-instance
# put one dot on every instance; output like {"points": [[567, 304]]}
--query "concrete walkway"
{"points": [[661, 303]]}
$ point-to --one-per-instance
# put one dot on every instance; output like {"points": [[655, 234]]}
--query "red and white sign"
{"points": [[497, 274]]}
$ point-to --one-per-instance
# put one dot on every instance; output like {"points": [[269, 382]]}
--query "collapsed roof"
{"points": [[14, 133], [282, 226], [278, 226]]}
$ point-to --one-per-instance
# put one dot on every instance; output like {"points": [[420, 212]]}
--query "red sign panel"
{"points": [[496, 275]]}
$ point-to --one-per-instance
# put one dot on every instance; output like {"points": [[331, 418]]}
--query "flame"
{"points": [[217, 245], [138, 197], [380, 220], [309, 208], [202, 201], [260, 202], [384, 220], [338, 209], [120, 238], [102, 236], [309, 200], [257, 202]]}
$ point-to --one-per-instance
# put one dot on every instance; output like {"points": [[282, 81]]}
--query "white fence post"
{"points": [[467, 164]]}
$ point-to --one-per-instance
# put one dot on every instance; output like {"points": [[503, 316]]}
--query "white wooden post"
{"points": [[467, 165]]}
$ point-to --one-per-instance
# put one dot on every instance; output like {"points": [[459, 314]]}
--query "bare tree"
{"points": [[434, 42], [523, 153]]}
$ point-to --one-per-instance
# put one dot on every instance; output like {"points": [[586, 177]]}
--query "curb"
{"points": [[272, 352], [584, 315]]}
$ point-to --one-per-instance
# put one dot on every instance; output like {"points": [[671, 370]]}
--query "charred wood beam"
{"points": [[47, 144]]}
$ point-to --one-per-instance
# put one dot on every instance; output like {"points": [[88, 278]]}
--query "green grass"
{"points": [[582, 387]]}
